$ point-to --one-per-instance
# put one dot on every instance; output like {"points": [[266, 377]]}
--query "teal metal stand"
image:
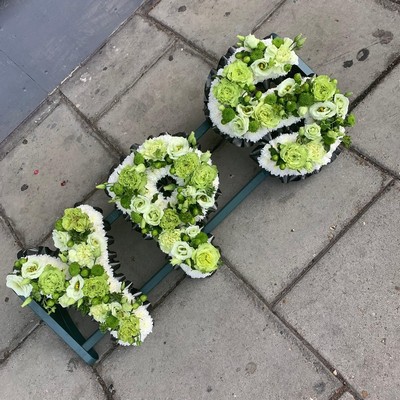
{"points": [[62, 324]]}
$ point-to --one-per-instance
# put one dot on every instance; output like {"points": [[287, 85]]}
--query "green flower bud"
{"points": [[101, 186], [297, 78], [138, 159], [246, 59], [85, 272], [70, 243], [74, 269], [143, 297]]}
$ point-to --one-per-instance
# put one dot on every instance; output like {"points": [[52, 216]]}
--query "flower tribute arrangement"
{"points": [[82, 277], [300, 120], [167, 186]]}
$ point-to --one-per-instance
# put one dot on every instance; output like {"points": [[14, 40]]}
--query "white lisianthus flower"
{"points": [[245, 111], [323, 110], [204, 200], [177, 146], [66, 301], [286, 87], [240, 125], [114, 307], [181, 251], [99, 312], [20, 285], [32, 269], [192, 231], [251, 42], [74, 290], [97, 242], [342, 104], [61, 239], [302, 111], [140, 204], [282, 55], [260, 69], [189, 191]]}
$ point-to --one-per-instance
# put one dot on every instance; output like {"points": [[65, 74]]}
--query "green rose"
{"points": [[75, 219], [167, 239], [316, 152], [99, 312], [192, 231], [51, 281], [342, 104], [177, 146], [185, 165], [312, 131], [129, 328], [294, 154], [154, 149], [170, 219], [286, 87], [20, 285], [266, 115], [323, 88], [83, 254], [132, 179], [181, 251], [251, 42], [204, 176], [321, 111], [206, 258], [140, 204], [240, 125], [32, 269], [227, 92], [153, 215], [96, 286], [238, 72]]}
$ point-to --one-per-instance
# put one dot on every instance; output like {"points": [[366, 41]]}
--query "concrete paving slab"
{"points": [[16, 322], [44, 368], [353, 40], [378, 120], [56, 164], [210, 343], [128, 54], [348, 305], [213, 25], [276, 232], [169, 97]]}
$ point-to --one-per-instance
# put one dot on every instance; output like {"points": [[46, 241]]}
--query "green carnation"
{"points": [[316, 152], [170, 219], [52, 280], [75, 219], [294, 154], [204, 176], [131, 179], [323, 88], [83, 254], [154, 149], [238, 72], [129, 328], [266, 115], [96, 286], [227, 92], [206, 258], [167, 239], [185, 165]]}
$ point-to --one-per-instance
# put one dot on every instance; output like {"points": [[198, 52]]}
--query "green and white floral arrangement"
{"points": [[167, 186], [236, 99], [82, 277], [318, 101]]}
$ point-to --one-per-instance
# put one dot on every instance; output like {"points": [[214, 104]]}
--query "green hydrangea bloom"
{"points": [[227, 92], [167, 239], [129, 328], [52, 280], [238, 72], [204, 176], [131, 179], [294, 154], [75, 219], [96, 286], [206, 258], [323, 88], [154, 149], [266, 115], [185, 165], [170, 219]]}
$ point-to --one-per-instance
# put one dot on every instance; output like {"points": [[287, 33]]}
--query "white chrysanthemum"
{"points": [[114, 284], [193, 273], [146, 322]]}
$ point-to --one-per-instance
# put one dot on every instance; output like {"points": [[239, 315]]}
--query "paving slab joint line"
{"points": [[13, 231], [343, 390], [375, 83], [267, 17], [98, 134], [290, 328], [8, 353], [122, 93], [210, 59], [147, 6], [107, 391], [325, 250]]}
